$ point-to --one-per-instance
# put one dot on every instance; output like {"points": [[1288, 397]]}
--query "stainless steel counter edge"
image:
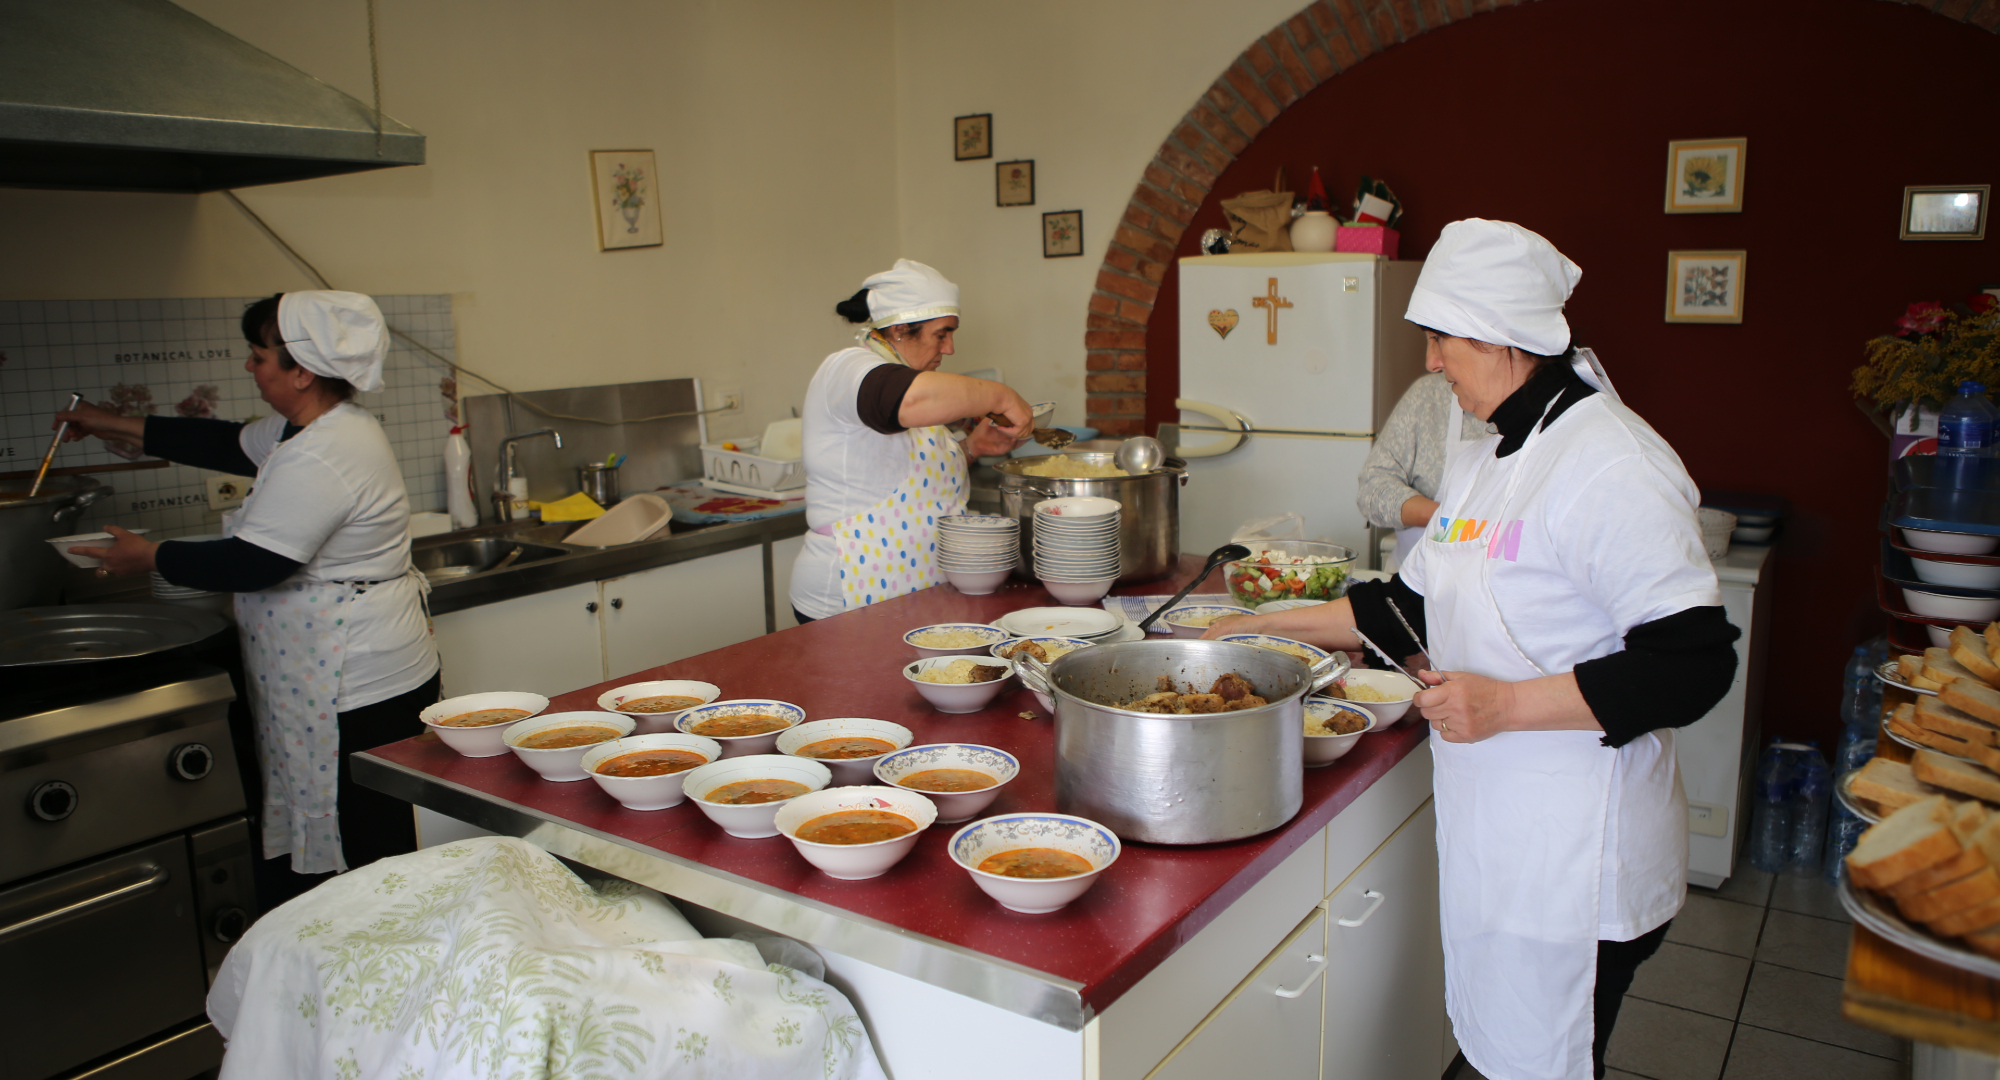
{"points": [[71, 721], [596, 564], [1000, 983]]}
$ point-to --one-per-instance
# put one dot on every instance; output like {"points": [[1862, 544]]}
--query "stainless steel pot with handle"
{"points": [[1179, 779], [31, 572], [1149, 526]]}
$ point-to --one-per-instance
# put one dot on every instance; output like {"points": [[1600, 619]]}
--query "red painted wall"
{"points": [[1557, 115]]}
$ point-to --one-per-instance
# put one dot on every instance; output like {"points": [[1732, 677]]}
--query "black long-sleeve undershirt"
{"points": [[204, 444], [230, 565]]}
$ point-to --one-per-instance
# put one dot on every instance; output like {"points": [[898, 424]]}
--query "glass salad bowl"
{"points": [[1289, 570]]}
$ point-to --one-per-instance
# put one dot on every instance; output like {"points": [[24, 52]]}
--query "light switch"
{"points": [[1708, 820], [226, 491]]}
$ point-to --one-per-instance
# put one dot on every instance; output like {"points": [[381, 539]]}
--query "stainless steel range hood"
{"points": [[140, 95]]}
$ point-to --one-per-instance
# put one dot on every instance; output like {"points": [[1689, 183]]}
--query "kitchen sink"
{"points": [[460, 558]]}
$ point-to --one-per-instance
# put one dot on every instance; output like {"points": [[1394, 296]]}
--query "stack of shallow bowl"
{"points": [[977, 552], [166, 592], [1076, 547]]}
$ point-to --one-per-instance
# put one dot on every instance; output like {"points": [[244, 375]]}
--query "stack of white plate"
{"points": [[167, 592], [1076, 547], [977, 552]]}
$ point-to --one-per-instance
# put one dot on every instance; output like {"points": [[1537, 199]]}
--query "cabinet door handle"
{"points": [[1350, 923], [617, 603], [591, 607], [1319, 969]]}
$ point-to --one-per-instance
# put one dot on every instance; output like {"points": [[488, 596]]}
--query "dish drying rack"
{"points": [[743, 471]]}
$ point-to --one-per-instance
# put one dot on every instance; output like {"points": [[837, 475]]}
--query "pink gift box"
{"points": [[1367, 240]]}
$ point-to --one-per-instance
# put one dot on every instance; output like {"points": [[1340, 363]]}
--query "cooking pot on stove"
{"points": [[1165, 779], [31, 572], [1149, 526]]}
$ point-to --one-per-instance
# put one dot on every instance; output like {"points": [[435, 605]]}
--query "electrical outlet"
{"points": [[726, 399], [227, 491]]}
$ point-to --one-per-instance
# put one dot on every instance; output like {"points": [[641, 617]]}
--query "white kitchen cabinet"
{"points": [[1384, 1003], [548, 643], [680, 610], [1269, 1025]]}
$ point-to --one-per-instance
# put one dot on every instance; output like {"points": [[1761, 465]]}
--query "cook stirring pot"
{"points": [[1149, 527]]}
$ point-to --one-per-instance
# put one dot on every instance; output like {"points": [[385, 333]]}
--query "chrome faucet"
{"points": [[503, 502]]}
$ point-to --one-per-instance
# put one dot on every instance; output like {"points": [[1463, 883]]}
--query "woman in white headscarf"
{"points": [[1562, 589], [337, 650], [880, 466]]}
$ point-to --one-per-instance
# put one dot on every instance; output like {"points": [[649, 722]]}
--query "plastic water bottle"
{"points": [[1771, 816], [1965, 432], [1860, 702], [1812, 791], [1841, 833]]}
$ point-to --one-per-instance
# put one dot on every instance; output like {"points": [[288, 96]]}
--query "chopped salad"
{"points": [[1273, 575]]}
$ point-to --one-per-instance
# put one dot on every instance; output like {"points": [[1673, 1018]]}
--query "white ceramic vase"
{"points": [[1314, 231]]}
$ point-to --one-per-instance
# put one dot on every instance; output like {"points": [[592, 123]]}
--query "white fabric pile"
{"points": [[487, 958]]}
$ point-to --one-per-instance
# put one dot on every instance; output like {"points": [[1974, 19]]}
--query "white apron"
{"points": [[1522, 822]]}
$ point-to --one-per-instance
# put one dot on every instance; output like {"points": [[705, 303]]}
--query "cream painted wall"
{"points": [[1087, 90], [757, 109]]}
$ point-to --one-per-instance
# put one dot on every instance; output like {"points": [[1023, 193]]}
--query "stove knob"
{"points": [[191, 761], [229, 924], [52, 801]]}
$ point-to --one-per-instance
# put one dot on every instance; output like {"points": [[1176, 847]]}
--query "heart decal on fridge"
{"points": [[1222, 322]]}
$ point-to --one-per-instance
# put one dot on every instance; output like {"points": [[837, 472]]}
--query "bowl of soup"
{"points": [[1332, 728], [1192, 620], [476, 724], [1387, 694], [855, 833], [553, 744], [744, 794], [1034, 863], [961, 778], [644, 772], [849, 745], [742, 725], [959, 684], [657, 705]]}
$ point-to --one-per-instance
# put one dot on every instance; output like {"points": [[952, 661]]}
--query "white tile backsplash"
{"points": [[155, 353]]}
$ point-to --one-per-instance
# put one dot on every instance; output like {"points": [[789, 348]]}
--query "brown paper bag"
{"points": [[1261, 220]]}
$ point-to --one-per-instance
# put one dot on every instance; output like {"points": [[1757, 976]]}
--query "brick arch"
{"points": [[1324, 39]]}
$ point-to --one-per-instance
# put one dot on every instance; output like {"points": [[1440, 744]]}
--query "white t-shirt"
{"points": [[332, 497], [849, 468]]}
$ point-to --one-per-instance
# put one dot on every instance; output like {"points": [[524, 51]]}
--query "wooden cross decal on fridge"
{"points": [[1271, 302]]}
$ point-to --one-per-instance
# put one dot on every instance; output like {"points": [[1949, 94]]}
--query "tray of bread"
{"points": [[1962, 718], [1925, 877], [1905, 673]]}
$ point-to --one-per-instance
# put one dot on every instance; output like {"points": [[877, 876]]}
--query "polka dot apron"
{"points": [[888, 550]]}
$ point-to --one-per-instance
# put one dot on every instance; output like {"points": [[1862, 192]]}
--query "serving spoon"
{"points": [[1140, 454], [1053, 438], [1223, 554]]}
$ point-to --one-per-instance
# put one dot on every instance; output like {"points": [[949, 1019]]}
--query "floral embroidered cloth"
{"points": [[487, 958]]}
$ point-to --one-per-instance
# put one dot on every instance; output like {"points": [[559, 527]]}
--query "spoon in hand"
{"points": [[1223, 554], [1053, 438]]}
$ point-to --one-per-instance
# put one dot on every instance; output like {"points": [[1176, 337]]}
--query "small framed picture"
{"points": [[1950, 212], [1062, 234], [1705, 286], [1014, 183], [1705, 176], [972, 137], [626, 186]]}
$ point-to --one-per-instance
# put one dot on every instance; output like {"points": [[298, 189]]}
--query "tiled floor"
{"points": [[1747, 987]]}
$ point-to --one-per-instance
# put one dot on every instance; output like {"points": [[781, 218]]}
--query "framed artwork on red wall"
{"points": [[1953, 212], [1705, 176], [1705, 286]]}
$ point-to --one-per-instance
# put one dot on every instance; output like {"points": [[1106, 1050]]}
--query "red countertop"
{"points": [[1146, 906]]}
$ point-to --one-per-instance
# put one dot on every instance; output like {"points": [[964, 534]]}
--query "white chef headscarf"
{"points": [[337, 335], [910, 292]]}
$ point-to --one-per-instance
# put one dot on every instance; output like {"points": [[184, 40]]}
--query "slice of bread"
{"points": [[1978, 917], [1888, 784], [1936, 714], [1921, 683], [1966, 818], [1964, 864], [1992, 636], [1909, 840], [1940, 668], [1903, 722], [1953, 897], [1909, 666], [1977, 698], [1952, 774], [1968, 647]]}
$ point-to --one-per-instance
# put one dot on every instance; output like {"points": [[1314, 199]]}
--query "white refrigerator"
{"points": [[1289, 364]]}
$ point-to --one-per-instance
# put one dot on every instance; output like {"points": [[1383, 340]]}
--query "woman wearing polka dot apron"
{"points": [[337, 649], [880, 466]]}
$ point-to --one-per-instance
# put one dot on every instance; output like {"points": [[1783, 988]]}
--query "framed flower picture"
{"points": [[1705, 176], [972, 137], [626, 188], [1705, 286], [1014, 183], [1955, 212], [1062, 234]]}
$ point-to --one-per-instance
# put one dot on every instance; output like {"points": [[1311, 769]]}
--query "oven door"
{"points": [[98, 957]]}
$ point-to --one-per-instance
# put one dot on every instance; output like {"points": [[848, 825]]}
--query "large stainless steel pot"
{"points": [[1180, 779], [31, 572], [1149, 527]]}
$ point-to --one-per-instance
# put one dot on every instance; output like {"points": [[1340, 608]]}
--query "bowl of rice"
{"points": [[959, 684], [1192, 620], [1047, 649], [1332, 729], [955, 639], [1387, 694]]}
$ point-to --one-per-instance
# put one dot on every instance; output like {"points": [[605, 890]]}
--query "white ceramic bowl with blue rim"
{"points": [[1081, 837], [855, 862], [958, 697], [1325, 749], [1390, 684], [750, 821], [1203, 614], [1288, 605], [952, 806], [859, 770], [648, 792], [565, 763], [1066, 644], [987, 633], [1288, 646], [480, 741], [739, 745], [613, 700]]}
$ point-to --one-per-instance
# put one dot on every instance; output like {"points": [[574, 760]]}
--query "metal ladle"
{"points": [[1223, 554], [1140, 454]]}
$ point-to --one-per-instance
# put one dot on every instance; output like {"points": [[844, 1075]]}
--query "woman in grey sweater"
{"points": [[1399, 482]]}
